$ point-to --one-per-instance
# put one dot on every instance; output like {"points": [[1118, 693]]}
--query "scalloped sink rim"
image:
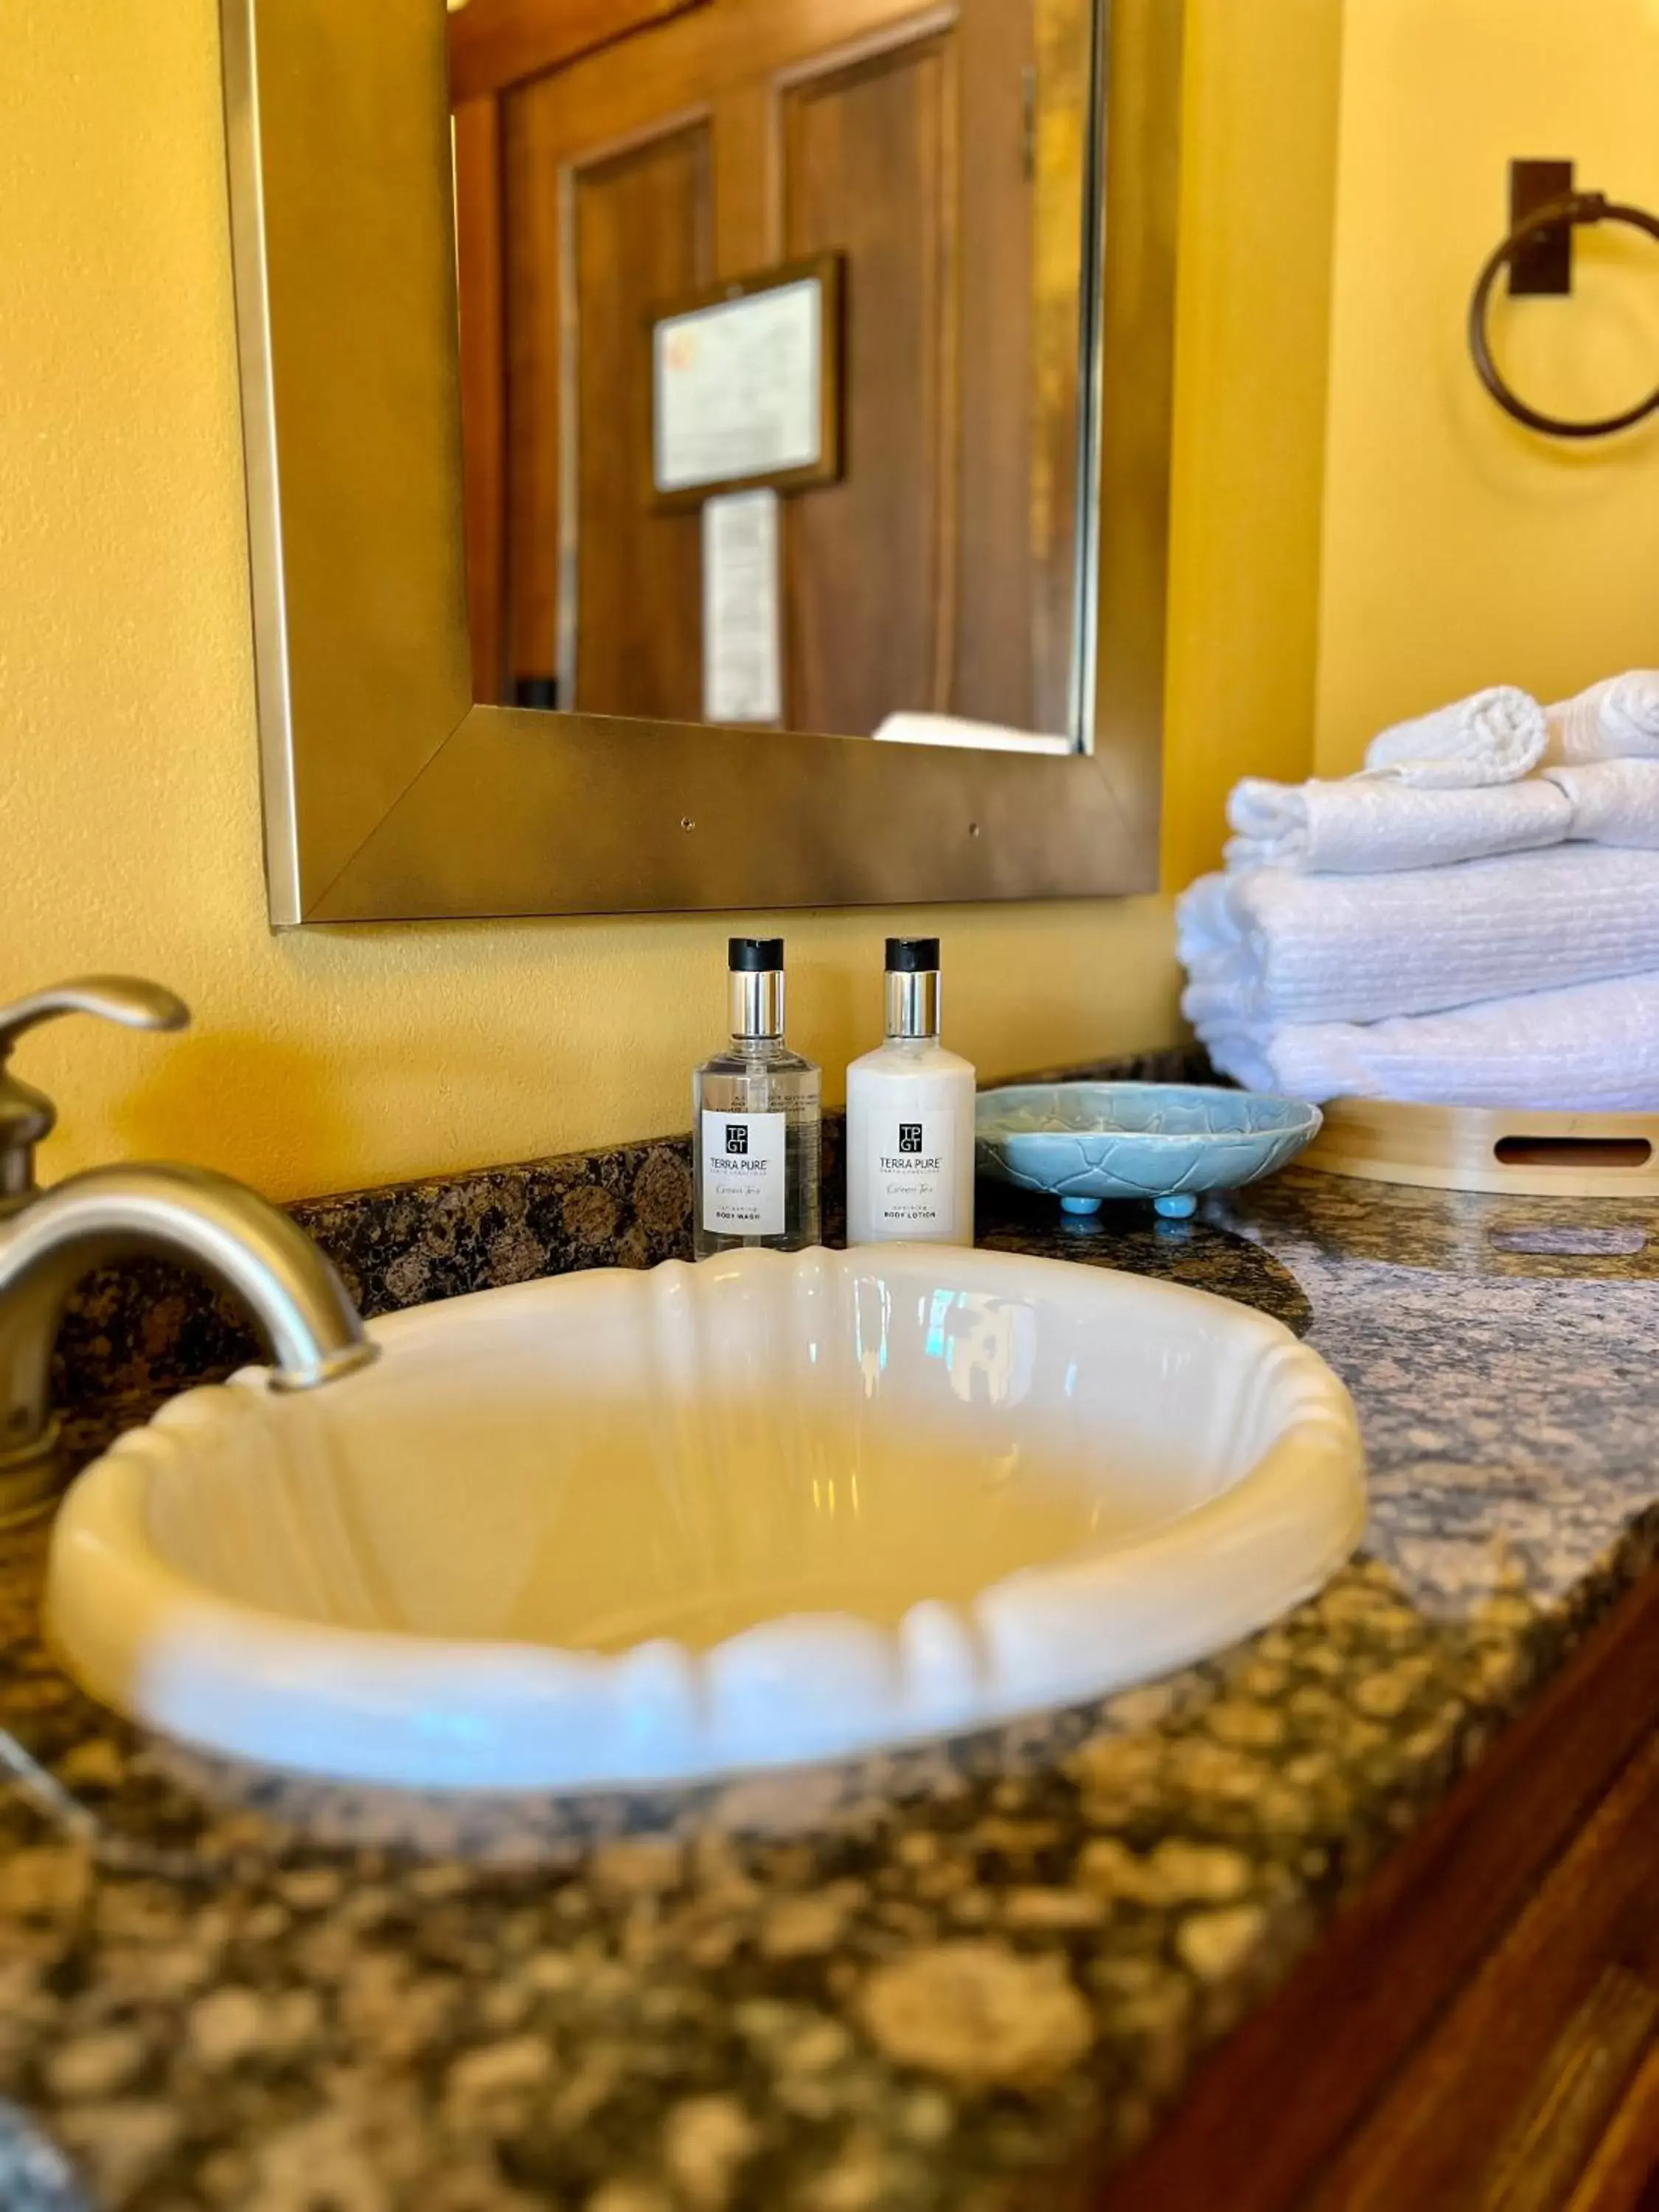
{"points": [[1267, 1475]]}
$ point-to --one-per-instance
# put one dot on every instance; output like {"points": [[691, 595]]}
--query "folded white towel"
{"points": [[1613, 802], [1593, 1046], [1270, 947], [977, 737], [1495, 737], [1615, 720], [1371, 826]]}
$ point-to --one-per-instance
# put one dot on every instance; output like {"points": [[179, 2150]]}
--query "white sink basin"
{"points": [[622, 1528]]}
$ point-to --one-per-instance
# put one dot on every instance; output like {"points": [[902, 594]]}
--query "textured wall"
{"points": [[1258, 196], [128, 790], [1459, 549]]}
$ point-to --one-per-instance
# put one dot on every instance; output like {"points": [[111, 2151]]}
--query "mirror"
{"points": [[631, 384], [773, 359]]}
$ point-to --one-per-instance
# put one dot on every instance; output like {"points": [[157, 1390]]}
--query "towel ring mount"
{"points": [[1576, 207]]}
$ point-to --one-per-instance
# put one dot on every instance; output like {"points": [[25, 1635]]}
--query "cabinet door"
{"points": [[1539, 2091], [1483, 1992]]}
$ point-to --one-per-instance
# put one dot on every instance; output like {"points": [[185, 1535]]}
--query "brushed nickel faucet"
{"points": [[49, 1240]]}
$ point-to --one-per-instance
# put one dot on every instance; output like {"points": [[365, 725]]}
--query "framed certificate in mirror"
{"points": [[745, 385]]}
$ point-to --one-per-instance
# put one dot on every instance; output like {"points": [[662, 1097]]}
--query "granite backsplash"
{"points": [[147, 1327]]}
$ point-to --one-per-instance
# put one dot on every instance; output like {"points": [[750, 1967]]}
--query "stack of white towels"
{"points": [[1473, 921]]}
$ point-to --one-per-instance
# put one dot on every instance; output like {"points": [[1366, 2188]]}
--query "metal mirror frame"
{"points": [[388, 795]]}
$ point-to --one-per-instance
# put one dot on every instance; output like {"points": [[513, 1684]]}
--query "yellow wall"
{"points": [[1461, 550], [128, 798], [1258, 190]]}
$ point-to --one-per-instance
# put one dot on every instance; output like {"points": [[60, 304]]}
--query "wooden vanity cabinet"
{"points": [[1538, 2091], [1479, 2032]]}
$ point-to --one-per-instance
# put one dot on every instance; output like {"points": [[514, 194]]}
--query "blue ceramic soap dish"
{"points": [[1086, 1142]]}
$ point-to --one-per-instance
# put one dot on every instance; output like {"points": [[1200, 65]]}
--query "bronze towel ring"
{"points": [[1575, 208]]}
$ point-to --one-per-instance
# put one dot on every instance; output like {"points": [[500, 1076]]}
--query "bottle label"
{"points": [[743, 1174], [913, 1182]]}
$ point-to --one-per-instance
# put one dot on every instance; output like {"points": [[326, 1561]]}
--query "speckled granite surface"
{"points": [[942, 1980]]}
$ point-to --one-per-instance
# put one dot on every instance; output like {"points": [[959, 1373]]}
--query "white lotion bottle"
{"points": [[910, 1117]]}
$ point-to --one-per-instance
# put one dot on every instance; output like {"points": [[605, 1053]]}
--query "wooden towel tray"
{"points": [[1469, 1148]]}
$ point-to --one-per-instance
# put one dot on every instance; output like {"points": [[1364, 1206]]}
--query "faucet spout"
{"points": [[308, 1324]]}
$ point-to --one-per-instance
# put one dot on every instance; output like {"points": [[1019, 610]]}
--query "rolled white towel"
{"points": [[1618, 720], [1269, 947], [1593, 1046], [1496, 736], [1371, 826], [1613, 802]]}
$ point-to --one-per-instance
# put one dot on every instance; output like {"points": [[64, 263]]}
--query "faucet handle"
{"points": [[128, 1000], [27, 1116]]}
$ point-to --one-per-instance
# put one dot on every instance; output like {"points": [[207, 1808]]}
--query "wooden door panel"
{"points": [[990, 668], [632, 89], [534, 254], [868, 169], [497, 43], [718, 138], [742, 121], [480, 249], [643, 233]]}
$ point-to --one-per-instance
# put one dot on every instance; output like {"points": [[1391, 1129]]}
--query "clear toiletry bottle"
{"points": [[911, 1118], [756, 1120]]}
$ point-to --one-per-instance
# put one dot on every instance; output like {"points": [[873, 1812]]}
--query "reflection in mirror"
{"points": [[771, 333]]}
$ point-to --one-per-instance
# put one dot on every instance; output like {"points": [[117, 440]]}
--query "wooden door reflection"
{"points": [[614, 154]]}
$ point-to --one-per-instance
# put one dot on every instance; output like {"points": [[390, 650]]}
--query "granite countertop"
{"points": [[931, 1980]]}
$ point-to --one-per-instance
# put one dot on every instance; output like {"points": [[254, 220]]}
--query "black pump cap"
{"points": [[912, 956], [755, 955]]}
